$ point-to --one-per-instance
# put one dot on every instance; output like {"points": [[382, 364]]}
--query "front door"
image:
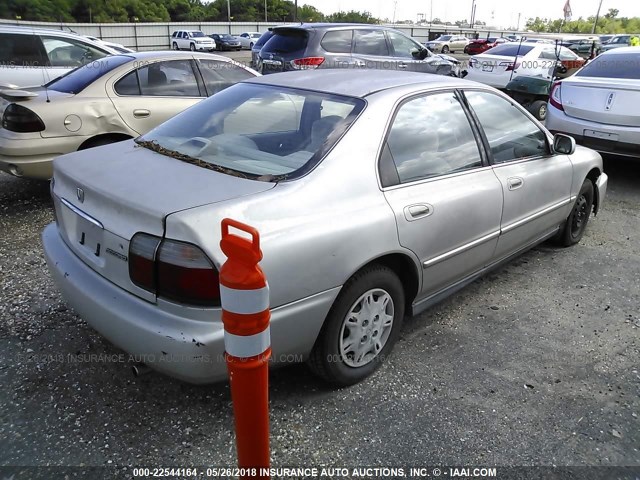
{"points": [[536, 184], [446, 199]]}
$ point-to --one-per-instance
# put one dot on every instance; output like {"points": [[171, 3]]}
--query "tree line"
{"points": [[608, 23], [111, 11]]}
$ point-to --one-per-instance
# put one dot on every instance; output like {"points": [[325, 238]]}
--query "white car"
{"points": [[598, 106], [191, 40], [498, 66], [114, 99], [248, 39], [31, 57], [116, 46]]}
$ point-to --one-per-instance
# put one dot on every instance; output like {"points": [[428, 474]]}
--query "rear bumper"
{"points": [[33, 157], [184, 348], [627, 141]]}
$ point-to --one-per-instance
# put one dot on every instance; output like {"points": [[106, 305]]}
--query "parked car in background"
{"points": [[583, 46], [483, 44], [193, 40], [137, 255], [118, 98], [598, 106], [225, 41], [605, 38], [255, 50], [498, 66], [513, 38], [119, 48], [617, 42], [34, 56], [335, 45], [448, 44], [248, 39]]}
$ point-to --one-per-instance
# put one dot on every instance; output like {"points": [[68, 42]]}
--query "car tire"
{"points": [[538, 109], [336, 360], [445, 49], [576, 224], [175, 46], [192, 47]]}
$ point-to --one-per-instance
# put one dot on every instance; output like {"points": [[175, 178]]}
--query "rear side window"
{"points": [[21, 50], [78, 79], [220, 75], [338, 41], [287, 41], [430, 136], [625, 65], [370, 42], [511, 50], [173, 78], [263, 39]]}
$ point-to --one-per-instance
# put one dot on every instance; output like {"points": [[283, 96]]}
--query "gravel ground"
{"points": [[534, 364]]}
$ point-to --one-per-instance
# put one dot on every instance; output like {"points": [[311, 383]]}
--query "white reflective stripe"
{"points": [[242, 346], [244, 301]]}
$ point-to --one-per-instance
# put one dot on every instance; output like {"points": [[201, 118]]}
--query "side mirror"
{"points": [[564, 144]]}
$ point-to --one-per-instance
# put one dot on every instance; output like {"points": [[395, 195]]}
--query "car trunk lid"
{"points": [[104, 196], [611, 101]]}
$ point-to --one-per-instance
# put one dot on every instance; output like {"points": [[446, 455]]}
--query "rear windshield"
{"points": [[78, 79], [256, 131], [618, 65], [287, 41], [511, 50]]}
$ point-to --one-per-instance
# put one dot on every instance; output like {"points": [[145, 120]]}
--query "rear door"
{"points": [[446, 199], [371, 50], [147, 96], [535, 183]]}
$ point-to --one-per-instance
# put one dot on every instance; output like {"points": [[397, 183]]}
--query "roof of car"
{"points": [[324, 26], [173, 54], [357, 83], [621, 51]]}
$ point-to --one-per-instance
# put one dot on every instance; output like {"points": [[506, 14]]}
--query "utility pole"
{"points": [[518, 26], [431, 12], [295, 14], [473, 13], [395, 4], [595, 22], [229, 10], [265, 11]]}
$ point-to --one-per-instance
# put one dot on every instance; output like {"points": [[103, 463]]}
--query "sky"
{"points": [[501, 13]]}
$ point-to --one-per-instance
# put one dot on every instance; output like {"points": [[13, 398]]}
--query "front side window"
{"points": [[511, 134], [66, 52], [370, 42], [430, 136], [402, 46], [220, 75], [258, 130]]}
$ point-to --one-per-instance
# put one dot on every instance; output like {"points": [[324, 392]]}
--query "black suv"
{"points": [[339, 45]]}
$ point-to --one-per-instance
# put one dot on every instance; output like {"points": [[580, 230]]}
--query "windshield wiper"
{"points": [[156, 147]]}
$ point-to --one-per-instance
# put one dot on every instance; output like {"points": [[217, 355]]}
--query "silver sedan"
{"points": [[375, 194]]}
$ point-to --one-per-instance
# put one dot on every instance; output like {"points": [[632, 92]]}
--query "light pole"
{"points": [[595, 22], [229, 10], [265, 11], [473, 13]]}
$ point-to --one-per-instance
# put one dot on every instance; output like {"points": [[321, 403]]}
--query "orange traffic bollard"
{"points": [[244, 294]]}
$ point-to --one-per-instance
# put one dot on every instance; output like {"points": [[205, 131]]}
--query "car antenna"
{"points": [[515, 60], [44, 78]]}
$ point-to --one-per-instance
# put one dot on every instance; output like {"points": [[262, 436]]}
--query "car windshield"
{"points": [[77, 80], [256, 131], [444, 38], [197, 34], [620, 40], [226, 36], [492, 39], [617, 65], [510, 50]]}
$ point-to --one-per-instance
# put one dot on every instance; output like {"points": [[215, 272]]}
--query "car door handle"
{"points": [[414, 212], [359, 63], [402, 65], [141, 113], [515, 182]]}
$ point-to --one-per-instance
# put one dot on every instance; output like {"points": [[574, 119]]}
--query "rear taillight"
{"points": [[175, 270], [555, 97], [307, 63], [511, 66], [20, 119]]}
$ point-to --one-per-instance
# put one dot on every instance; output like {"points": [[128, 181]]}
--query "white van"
{"points": [[30, 57]]}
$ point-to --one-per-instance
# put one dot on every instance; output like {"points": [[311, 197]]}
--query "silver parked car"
{"points": [[598, 106], [375, 193]]}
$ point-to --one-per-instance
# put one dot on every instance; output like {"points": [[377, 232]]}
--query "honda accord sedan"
{"points": [[376, 194]]}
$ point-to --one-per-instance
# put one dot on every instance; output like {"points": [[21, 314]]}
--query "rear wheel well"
{"points": [[593, 177], [405, 269], [103, 139]]}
